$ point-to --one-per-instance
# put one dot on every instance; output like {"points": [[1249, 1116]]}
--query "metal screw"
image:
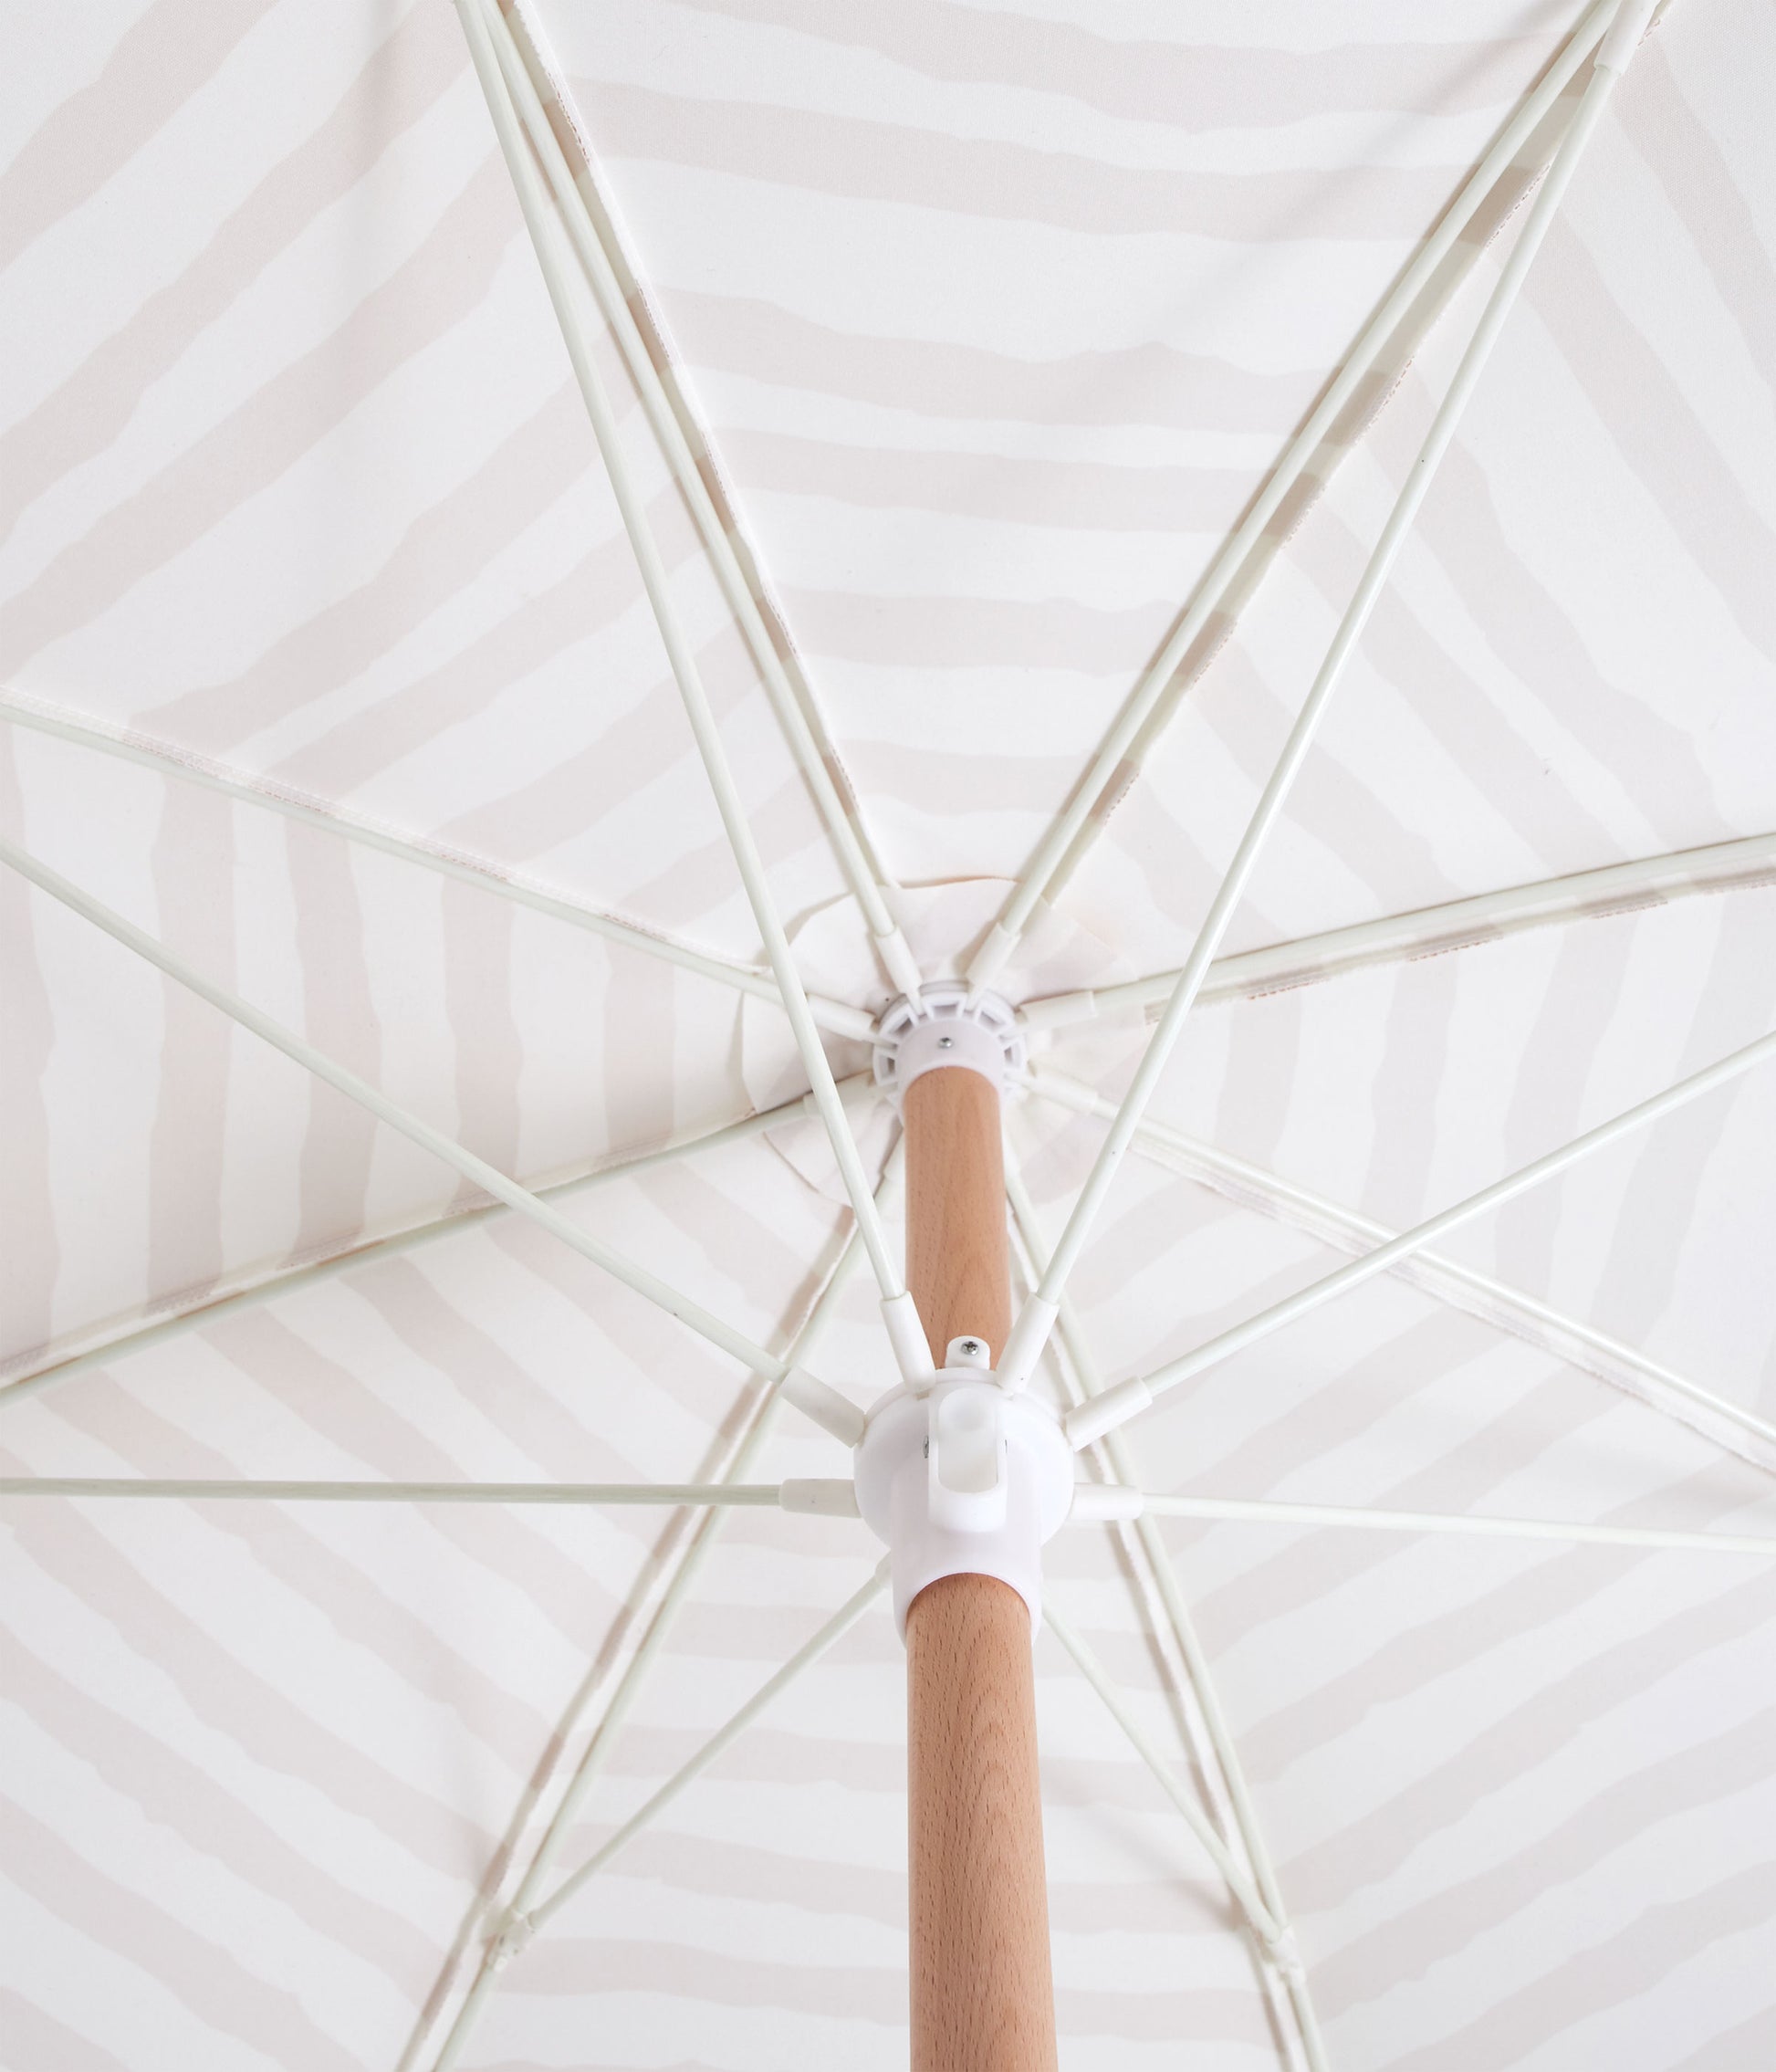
{"points": [[945, 1043], [970, 1345]]}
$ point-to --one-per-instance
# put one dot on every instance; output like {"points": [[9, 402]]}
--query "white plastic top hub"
{"points": [[961, 1479], [945, 1025]]}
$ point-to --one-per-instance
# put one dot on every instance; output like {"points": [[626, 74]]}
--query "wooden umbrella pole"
{"points": [[982, 1997]]}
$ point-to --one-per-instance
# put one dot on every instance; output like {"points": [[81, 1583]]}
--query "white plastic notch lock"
{"points": [[966, 1459]]}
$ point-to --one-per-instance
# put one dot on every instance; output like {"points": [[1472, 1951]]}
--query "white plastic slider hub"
{"points": [[960, 1478]]}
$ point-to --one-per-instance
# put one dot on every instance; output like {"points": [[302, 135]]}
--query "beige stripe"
{"points": [[1449, 1924], [1668, 1934], [28, 1240], [402, 79], [1179, 81], [211, 1980], [844, 157], [163, 60], [180, 1794], [258, 442], [194, 883]]}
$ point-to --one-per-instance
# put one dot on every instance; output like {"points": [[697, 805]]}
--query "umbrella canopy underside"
{"points": [[989, 327]]}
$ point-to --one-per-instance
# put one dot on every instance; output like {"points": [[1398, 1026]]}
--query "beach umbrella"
{"points": [[889, 961]]}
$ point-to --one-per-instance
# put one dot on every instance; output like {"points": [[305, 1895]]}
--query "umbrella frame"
{"points": [[567, 223]]}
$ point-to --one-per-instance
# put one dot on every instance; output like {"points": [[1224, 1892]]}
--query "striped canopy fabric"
{"points": [[962, 360]]}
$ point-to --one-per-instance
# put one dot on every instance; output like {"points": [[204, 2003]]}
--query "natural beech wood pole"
{"points": [[982, 1998], [959, 1259]]}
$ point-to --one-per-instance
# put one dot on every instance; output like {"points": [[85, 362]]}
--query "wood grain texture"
{"points": [[982, 2000], [982, 1997], [958, 1261]]}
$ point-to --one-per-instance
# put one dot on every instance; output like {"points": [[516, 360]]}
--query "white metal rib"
{"points": [[1464, 1524], [1268, 1931], [538, 218], [1077, 1376], [1212, 1745], [1128, 1398], [1430, 931], [212, 776], [815, 758], [629, 1688], [765, 1496], [489, 1177], [640, 1663], [1464, 1288], [1111, 772], [273, 1287], [212, 1489], [803, 1660], [1036, 1318]]}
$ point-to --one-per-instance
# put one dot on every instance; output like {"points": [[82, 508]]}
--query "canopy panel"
{"points": [[325, 661]]}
